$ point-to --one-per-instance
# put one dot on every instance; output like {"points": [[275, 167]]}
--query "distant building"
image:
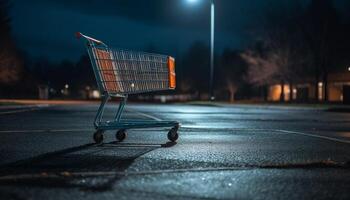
{"points": [[89, 93], [43, 91], [338, 90]]}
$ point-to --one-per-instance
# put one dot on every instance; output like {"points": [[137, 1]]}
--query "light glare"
{"points": [[192, 1]]}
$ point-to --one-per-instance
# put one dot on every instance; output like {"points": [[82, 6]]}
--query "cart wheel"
{"points": [[98, 136], [120, 135], [173, 135]]}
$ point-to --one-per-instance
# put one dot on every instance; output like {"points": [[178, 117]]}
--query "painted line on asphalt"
{"points": [[23, 110], [201, 127], [316, 136], [144, 114], [184, 127], [45, 130]]}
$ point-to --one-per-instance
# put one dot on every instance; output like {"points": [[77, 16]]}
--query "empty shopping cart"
{"points": [[120, 73]]}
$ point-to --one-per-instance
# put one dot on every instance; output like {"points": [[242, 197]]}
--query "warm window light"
{"points": [[95, 94]]}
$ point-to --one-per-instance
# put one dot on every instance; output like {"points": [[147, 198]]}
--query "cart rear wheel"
{"points": [[173, 135], [120, 135], [98, 136]]}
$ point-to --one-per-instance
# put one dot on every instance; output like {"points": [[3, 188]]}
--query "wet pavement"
{"points": [[224, 152]]}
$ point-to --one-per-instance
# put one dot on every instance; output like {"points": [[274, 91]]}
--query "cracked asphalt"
{"points": [[224, 152]]}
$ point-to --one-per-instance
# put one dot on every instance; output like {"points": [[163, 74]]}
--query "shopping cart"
{"points": [[120, 73]]}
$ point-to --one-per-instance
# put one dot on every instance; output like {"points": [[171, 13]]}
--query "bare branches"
{"points": [[282, 56], [261, 70], [233, 69], [10, 64], [10, 67]]}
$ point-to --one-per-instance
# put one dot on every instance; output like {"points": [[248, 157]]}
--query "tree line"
{"points": [[292, 44], [297, 44]]}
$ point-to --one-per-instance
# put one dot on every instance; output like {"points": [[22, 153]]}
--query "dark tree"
{"points": [[232, 71], [321, 28], [195, 68], [10, 63], [281, 57], [4, 23]]}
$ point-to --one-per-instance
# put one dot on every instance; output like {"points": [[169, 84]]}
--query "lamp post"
{"points": [[212, 30], [212, 27]]}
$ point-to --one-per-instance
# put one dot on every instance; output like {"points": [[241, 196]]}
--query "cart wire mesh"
{"points": [[128, 72]]}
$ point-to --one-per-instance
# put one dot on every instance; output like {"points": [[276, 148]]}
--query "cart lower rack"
{"points": [[120, 73]]}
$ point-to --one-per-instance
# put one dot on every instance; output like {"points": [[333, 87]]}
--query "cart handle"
{"points": [[79, 35]]}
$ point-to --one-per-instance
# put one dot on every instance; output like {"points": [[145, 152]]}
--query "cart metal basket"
{"points": [[119, 73]]}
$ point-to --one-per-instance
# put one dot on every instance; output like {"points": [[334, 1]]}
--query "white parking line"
{"points": [[18, 111], [46, 130], [144, 114], [316, 136], [26, 109], [154, 118]]}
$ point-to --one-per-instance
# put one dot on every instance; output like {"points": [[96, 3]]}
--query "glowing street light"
{"points": [[192, 1], [212, 27]]}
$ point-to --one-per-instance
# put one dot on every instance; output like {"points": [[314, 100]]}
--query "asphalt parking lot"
{"points": [[224, 152]]}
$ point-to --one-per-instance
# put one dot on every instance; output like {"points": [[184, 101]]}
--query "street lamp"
{"points": [[192, 1], [212, 27]]}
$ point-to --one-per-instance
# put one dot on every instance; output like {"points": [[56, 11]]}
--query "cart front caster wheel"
{"points": [[173, 135], [120, 135], [98, 136]]}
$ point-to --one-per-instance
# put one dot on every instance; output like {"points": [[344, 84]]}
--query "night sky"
{"points": [[45, 28]]}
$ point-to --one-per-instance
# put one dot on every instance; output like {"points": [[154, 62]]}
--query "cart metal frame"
{"points": [[94, 47]]}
